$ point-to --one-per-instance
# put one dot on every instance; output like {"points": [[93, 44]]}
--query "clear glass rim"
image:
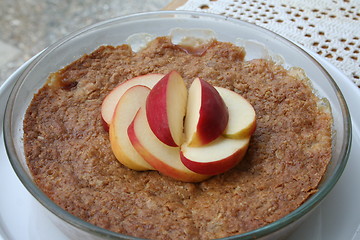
{"points": [[312, 202]]}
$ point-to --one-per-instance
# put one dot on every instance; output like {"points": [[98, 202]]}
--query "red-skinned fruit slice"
{"points": [[165, 109], [206, 115]]}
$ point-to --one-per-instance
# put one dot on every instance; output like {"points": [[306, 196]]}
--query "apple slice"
{"points": [[124, 113], [162, 157], [216, 157], [242, 117], [111, 100], [206, 114], [165, 109]]}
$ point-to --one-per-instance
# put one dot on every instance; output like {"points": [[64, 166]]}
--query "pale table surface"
{"points": [[29, 26]]}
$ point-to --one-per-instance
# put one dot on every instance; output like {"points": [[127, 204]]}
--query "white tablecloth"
{"points": [[330, 28]]}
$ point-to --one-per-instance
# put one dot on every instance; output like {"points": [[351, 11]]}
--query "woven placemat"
{"points": [[331, 28]]}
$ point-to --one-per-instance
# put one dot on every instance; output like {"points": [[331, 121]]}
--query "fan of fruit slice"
{"points": [[156, 123]]}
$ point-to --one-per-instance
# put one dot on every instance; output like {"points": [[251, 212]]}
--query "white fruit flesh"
{"points": [[124, 113], [217, 150], [176, 108], [242, 118], [111, 100], [216, 157], [193, 110]]}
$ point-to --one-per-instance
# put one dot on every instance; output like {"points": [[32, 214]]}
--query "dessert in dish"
{"points": [[70, 156]]}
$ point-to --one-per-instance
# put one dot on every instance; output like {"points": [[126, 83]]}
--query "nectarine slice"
{"points": [[124, 113], [109, 103], [206, 114], [216, 157], [165, 109], [242, 117]]}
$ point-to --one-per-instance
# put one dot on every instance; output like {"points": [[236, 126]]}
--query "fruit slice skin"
{"points": [[110, 101], [124, 113], [242, 116], [206, 115], [164, 158], [165, 109], [217, 157]]}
